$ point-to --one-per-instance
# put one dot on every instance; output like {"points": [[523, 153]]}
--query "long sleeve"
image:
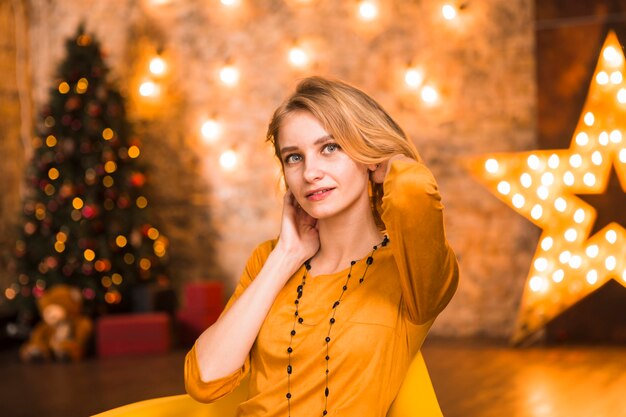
{"points": [[413, 216], [213, 390]]}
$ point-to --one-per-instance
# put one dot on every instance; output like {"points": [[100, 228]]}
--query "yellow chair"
{"points": [[416, 398]]}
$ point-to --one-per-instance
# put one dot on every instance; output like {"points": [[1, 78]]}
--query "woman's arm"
{"points": [[223, 348], [413, 216]]}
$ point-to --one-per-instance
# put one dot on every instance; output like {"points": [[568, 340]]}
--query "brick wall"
{"points": [[11, 146], [482, 64]]}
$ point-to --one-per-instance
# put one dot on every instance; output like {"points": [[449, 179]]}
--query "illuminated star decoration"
{"points": [[570, 261]]}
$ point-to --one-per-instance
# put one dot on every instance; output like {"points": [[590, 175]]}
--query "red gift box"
{"points": [[203, 297], [133, 334], [191, 325], [202, 305]]}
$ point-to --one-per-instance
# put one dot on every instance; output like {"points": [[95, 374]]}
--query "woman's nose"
{"points": [[312, 170]]}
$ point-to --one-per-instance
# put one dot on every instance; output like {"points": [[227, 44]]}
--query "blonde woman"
{"points": [[327, 317]]}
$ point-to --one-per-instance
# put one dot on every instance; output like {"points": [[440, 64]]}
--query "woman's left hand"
{"points": [[380, 171]]}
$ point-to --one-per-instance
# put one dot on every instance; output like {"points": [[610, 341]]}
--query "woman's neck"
{"points": [[342, 241]]}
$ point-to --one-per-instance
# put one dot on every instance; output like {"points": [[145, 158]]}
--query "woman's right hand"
{"points": [[298, 232], [224, 347]]}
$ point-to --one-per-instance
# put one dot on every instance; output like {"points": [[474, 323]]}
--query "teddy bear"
{"points": [[64, 332]]}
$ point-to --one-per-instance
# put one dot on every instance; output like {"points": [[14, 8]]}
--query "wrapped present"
{"points": [[133, 334]]}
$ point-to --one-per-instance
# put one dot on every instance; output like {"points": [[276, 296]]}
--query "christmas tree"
{"points": [[85, 213]]}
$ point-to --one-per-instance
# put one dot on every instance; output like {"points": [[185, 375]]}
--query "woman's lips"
{"points": [[318, 195]]}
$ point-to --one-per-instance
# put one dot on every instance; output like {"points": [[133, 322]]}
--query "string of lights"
{"points": [[301, 55]]}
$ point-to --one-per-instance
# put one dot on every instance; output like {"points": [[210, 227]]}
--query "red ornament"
{"points": [[94, 109], [66, 190], [52, 262], [89, 212], [72, 103], [89, 294], [123, 202], [145, 229], [137, 179]]}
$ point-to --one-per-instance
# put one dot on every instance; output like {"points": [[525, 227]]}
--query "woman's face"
{"points": [[324, 180]]}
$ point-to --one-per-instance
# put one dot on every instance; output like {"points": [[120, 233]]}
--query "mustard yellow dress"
{"points": [[379, 325]]}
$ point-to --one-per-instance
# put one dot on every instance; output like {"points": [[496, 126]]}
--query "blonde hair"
{"points": [[356, 122]]}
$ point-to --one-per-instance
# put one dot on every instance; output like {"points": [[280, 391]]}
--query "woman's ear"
{"points": [[373, 167], [378, 172]]}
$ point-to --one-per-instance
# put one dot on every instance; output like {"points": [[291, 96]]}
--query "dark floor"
{"points": [[472, 379]]}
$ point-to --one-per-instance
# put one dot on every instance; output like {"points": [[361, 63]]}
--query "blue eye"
{"points": [[292, 158], [331, 147]]}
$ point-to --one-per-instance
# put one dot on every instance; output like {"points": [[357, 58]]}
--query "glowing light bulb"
{"points": [[211, 130], [491, 166], [611, 236], [575, 262], [504, 187], [229, 75], [518, 200], [596, 158], [592, 277], [565, 256], [413, 77], [536, 212], [560, 204], [448, 11], [538, 284], [570, 235], [575, 160], [298, 57], [541, 264], [429, 94], [612, 56], [230, 3], [592, 251], [621, 95], [582, 139], [579, 216], [568, 178], [615, 136], [603, 139], [558, 275], [554, 161], [526, 180], [610, 263], [589, 179], [602, 78], [616, 77], [368, 10], [535, 284], [157, 66], [547, 179], [622, 156], [589, 118], [543, 192], [149, 89], [546, 243], [533, 162], [228, 160]]}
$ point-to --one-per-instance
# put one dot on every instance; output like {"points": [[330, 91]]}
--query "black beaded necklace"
{"points": [[298, 319]]}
